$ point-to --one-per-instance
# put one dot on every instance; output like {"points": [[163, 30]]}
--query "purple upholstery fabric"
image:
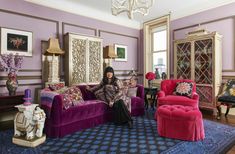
{"points": [[87, 95], [88, 114]]}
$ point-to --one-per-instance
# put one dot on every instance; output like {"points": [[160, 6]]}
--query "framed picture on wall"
{"points": [[16, 41], [121, 52]]}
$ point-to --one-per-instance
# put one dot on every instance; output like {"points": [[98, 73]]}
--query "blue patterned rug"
{"points": [[143, 138]]}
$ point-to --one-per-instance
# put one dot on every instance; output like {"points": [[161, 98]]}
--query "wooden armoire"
{"points": [[199, 57]]}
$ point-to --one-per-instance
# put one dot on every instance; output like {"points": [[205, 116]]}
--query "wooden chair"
{"points": [[226, 97]]}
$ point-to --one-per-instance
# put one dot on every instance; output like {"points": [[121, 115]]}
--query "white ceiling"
{"points": [[101, 9]]}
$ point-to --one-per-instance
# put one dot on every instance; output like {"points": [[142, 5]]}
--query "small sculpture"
{"points": [[29, 121], [164, 76], [157, 75]]}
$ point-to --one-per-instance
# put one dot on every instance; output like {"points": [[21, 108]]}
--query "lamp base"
{"points": [[54, 79], [107, 62], [53, 70]]}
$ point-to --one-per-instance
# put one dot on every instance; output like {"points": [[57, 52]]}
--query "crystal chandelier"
{"points": [[131, 6]]}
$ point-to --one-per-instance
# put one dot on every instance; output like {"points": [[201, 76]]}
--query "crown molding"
{"points": [[74, 8]]}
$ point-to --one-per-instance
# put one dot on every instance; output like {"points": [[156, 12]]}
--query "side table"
{"points": [[7, 103], [152, 92], [28, 126]]}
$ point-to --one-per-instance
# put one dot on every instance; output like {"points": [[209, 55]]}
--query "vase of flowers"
{"points": [[11, 64], [12, 83], [150, 76]]}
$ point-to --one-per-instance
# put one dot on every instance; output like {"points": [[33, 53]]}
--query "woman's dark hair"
{"points": [[105, 79]]}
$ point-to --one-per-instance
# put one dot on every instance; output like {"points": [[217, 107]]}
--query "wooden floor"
{"points": [[230, 120]]}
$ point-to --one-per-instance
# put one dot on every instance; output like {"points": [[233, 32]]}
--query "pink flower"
{"points": [[150, 76]]}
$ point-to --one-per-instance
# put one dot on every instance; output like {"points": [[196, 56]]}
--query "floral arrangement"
{"points": [[10, 63], [150, 76]]}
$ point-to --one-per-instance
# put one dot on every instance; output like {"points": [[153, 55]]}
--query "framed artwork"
{"points": [[121, 52], [16, 41]]}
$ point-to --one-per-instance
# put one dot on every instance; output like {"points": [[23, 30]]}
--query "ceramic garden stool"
{"points": [[180, 122]]}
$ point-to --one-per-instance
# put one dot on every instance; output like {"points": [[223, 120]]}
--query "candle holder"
{"points": [[27, 97]]}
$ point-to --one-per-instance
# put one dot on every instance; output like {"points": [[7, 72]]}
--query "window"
{"points": [[159, 47], [156, 46]]}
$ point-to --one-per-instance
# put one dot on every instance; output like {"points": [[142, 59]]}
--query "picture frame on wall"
{"points": [[121, 52], [16, 42]]}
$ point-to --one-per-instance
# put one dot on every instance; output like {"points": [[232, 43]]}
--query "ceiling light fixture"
{"points": [[131, 6]]}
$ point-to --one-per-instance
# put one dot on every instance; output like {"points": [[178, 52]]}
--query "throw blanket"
{"points": [[47, 97]]}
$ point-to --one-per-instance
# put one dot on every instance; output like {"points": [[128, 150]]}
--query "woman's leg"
{"points": [[121, 113]]}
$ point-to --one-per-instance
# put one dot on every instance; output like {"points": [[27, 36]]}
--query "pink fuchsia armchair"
{"points": [[166, 95]]}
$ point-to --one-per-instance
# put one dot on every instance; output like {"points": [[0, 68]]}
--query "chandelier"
{"points": [[131, 6]]}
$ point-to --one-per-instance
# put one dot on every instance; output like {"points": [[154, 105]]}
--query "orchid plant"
{"points": [[10, 63]]}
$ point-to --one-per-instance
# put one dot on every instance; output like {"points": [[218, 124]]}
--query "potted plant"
{"points": [[150, 76]]}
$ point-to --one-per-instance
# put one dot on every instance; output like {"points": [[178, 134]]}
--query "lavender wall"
{"points": [[45, 22], [220, 19]]}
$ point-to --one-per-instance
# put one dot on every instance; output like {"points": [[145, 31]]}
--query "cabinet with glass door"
{"points": [[199, 57]]}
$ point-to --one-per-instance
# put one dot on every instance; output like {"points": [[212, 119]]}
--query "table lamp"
{"points": [[132, 79], [132, 73], [109, 54], [54, 50]]}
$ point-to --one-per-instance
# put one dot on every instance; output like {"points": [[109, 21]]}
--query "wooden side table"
{"points": [[152, 92], [8, 103]]}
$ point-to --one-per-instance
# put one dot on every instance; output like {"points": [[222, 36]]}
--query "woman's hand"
{"points": [[111, 104], [88, 88]]}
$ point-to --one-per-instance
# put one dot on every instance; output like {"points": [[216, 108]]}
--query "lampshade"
{"points": [[54, 47], [108, 52]]}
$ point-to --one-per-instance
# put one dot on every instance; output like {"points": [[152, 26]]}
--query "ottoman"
{"points": [[180, 122]]}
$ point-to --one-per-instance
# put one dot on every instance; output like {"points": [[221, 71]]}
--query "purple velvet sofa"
{"points": [[61, 122]]}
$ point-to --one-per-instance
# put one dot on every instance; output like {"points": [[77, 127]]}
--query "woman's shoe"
{"points": [[130, 124]]}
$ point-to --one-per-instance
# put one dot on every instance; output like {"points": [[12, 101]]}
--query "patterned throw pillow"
{"points": [[228, 92], [184, 89], [132, 92], [72, 97], [55, 86], [127, 84]]}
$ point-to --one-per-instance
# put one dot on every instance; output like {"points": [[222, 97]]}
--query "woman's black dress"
{"points": [[121, 113]]}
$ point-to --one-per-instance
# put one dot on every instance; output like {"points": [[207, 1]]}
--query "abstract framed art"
{"points": [[121, 52], [16, 41]]}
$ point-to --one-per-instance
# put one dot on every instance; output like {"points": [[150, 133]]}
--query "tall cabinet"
{"points": [[199, 57], [83, 59]]}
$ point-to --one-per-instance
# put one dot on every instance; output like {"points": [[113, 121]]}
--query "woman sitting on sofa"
{"points": [[109, 90]]}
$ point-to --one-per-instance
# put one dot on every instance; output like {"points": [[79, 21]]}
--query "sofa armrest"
{"points": [[161, 94], [56, 109], [140, 91], [195, 96]]}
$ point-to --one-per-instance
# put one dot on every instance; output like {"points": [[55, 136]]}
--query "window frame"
{"points": [[152, 46], [148, 27]]}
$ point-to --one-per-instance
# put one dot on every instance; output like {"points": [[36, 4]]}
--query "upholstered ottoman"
{"points": [[180, 122]]}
